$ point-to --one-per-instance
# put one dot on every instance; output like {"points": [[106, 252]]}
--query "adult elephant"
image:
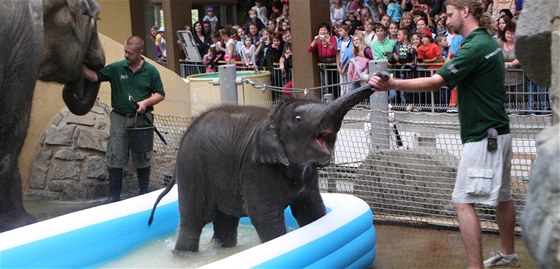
{"points": [[235, 161], [48, 40]]}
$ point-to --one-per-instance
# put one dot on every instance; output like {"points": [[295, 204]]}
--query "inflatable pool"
{"points": [[345, 237]]}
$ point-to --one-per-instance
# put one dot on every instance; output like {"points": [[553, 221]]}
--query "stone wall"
{"points": [[539, 29], [69, 163]]}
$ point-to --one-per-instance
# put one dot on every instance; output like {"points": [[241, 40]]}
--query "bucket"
{"points": [[141, 139]]}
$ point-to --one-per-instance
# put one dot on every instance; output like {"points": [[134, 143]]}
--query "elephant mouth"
{"points": [[325, 139]]}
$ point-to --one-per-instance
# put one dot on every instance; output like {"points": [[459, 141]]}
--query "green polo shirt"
{"points": [[140, 85], [478, 71]]}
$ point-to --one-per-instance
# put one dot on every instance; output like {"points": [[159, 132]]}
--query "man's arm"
{"points": [[89, 74], [424, 84], [151, 101]]}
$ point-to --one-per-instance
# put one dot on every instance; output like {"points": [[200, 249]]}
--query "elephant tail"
{"points": [[165, 192]]}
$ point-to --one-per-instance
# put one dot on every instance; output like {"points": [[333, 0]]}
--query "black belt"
{"points": [[128, 115]]}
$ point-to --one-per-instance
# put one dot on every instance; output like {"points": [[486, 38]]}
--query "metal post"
{"points": [[380, 131], [228, 86]]}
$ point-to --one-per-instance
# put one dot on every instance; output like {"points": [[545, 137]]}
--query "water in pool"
{"points": [[158, 253]]}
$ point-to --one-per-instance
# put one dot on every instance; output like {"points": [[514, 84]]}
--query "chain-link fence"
{"points": [[403, 162]]}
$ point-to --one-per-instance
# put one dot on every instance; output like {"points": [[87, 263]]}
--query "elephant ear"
{"points": [[268, 147]]}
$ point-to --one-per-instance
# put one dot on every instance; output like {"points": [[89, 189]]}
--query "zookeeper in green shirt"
{"points": [[483, 175], [140, 80]]}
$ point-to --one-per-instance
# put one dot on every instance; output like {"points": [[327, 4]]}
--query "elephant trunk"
{"points": [[79, 96], [336, 111]]}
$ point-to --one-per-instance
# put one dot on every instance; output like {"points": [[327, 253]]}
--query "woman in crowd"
{"points": [[406, 22], [501, 23], [201, 39], [369, 34], [338, 14], [514, 76], [325, 45]]}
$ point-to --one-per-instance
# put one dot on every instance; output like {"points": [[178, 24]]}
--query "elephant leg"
{"points": [[308, 207], [269, 226], [225, 229], [188, 237], [17, 83]]}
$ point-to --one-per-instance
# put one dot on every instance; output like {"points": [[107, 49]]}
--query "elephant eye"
{"points": [[298, 118]]}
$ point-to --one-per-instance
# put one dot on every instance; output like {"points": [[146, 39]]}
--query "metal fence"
{"points": [[401, 159], [523, 96]]}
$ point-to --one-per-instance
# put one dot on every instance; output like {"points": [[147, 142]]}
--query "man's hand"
{"points": [[378, 83]]}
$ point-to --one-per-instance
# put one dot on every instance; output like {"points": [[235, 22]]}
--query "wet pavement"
{"points": [[405, 247]]}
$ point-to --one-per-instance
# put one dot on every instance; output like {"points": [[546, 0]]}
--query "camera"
{"points": [[322, 37], [386, 53]]}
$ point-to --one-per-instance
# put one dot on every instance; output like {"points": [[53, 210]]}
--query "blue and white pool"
{"points": [[94, 237]]}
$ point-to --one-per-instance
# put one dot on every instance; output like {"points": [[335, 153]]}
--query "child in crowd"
{"points": [[402, 53], [358, 64], [262, 47], [275, 51], [211, 18], [383, 46], [393, 31], [253, 19], [441, 41], [248, 52], [285, 63], [385, 20], [261, 11], [210, 59], [429, 52], [239, 44], [343, 56], [226, 34], [394, 10]]}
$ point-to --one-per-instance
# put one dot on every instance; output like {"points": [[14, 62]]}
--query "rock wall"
{"points": [[69, 163], [539, 28]]}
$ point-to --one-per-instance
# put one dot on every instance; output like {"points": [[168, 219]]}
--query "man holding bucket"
{"points": [[136, 87]]}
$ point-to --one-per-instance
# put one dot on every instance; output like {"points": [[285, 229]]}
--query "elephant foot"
{"points": [[112, 199], [13, 221]]}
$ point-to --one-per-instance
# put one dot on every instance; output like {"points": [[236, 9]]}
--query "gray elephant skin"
{"points": [[236, 161], [48, 40]]}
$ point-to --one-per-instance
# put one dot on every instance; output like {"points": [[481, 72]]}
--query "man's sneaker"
{"points": [[497, 260]]}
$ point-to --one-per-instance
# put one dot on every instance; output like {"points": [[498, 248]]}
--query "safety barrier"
{"points": [[523, 96]]}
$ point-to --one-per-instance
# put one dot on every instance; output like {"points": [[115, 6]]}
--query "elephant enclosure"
{"points": [[403, 164]]}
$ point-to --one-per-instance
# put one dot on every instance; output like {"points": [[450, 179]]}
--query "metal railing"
{"points": [[523, 96]]}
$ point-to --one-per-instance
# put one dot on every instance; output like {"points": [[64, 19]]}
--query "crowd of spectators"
{"points": [[406, 33]]}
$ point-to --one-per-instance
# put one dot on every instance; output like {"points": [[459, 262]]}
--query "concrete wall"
{"points": [[47, 103], [115, 19]]}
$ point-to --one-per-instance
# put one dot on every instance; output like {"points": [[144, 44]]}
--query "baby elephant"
{"points": [[235, 161]]}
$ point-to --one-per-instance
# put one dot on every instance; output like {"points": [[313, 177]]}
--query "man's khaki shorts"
{"points": [[484, 177]]}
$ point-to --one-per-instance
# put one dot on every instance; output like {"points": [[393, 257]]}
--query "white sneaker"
{"points": [[497, 260]]}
